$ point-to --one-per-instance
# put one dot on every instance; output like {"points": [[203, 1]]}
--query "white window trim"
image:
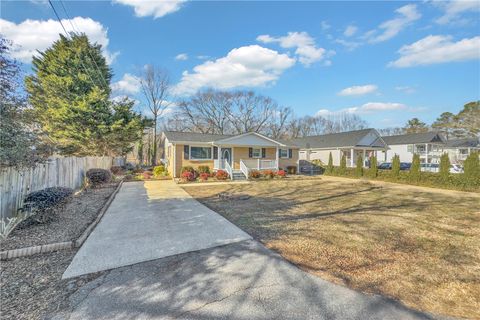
{"points": [[201, 159], [283, 149], [259, 154]]}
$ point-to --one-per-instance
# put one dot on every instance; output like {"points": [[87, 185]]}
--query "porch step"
{"points": [[238, 175]]}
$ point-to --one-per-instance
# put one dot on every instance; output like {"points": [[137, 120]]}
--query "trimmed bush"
{"points": [[281, 173], [40, 205], [373, 171], [444, 166], [221, 175], [414, 174], [98, 176], [203, 169], [187, 168], [291, 169], [204, 176], [159, 171], [359, 166], [330, 164], [471, 169], [254, 174], [187, 176], [268, 173], [116, 170], [147, 175], [395, 166], [343, 165]]}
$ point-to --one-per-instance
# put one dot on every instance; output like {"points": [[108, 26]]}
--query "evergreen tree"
{"points": [[396, 166], [330, 164], [414, 173], [415, 125], [471, 167], [445, 124], [70, 91], [359, 167], [343, 165], [468, 120], [373, 167], [444, 166]]}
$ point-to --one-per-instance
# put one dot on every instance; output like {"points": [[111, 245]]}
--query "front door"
{"points": [[227, 155]]}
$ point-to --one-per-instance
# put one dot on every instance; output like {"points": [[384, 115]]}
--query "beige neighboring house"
{"points": [[236, 154], [365, 143]]}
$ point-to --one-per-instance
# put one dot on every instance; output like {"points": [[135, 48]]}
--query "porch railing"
{"points": [[258, 164], [244, 169], [228, 168]]}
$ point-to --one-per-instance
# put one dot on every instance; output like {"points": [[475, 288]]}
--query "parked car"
{"points": [[429, 167], [405, 165], [385, 166], [456, 168]]}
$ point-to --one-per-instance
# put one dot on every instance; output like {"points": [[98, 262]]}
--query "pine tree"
{"points": [[359, 167], [343, 165], [444, 167], [373, 167], [414, 174], [471, 167], [330, 164], [396, 166]]}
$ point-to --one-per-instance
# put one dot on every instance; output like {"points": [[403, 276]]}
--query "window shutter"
{"points": [[215, 152], [186, 150], [263, 153], [290, 153], [279, 153], [250, 152]]}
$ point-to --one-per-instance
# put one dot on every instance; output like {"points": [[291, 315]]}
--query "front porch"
{"points": [[351, 155]]}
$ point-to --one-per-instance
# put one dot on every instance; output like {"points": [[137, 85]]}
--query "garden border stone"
{"points": [[29, 251]]}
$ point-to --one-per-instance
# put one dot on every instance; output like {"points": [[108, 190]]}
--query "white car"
{"points": [[456, 168]]}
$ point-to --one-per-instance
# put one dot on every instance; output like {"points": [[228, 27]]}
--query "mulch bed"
{"points": [[32, 287], [68, 224]]}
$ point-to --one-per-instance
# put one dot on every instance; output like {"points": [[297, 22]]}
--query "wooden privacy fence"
{"points": [[56, 172]]}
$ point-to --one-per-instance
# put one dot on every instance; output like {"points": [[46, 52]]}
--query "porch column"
{"points": [[351, 157], [277, 157], [219, 157], [364, 160], [426, 152]]}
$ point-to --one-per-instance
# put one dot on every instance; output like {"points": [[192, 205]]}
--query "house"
{"points": [[365, 143], [236, 154], [429, 145], [459, 149]]}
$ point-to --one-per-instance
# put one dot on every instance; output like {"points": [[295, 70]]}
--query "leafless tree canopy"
{"points": [[224, 112]]}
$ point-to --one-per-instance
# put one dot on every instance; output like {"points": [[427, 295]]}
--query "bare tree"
{"points": [[155, 87], [344, 121], [390, 131], [277, 124], [250, 112]]}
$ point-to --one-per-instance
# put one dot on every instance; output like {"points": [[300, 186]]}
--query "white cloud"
{"points": [[390, 28], [453, 9], [358, 90], [350, 31], [203, 57], [181, 56], [32, 35], [350, 45], [248, 66], [129, 84], [157, 9], [369, 107], [406, 89], [306, 49], [437, 49], [325, 25]]}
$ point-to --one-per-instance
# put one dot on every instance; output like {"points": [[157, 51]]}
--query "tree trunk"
{"points": [[154, 158]]}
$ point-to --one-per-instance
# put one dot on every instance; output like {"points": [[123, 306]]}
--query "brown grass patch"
{"points": [[420, 247]]}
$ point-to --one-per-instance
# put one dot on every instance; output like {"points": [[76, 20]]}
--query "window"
{"points": [[200, 153], [256, 152], [283, 153]]}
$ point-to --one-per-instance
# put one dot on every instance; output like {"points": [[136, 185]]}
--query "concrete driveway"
{"points": [[150, 220], [217, 276]]}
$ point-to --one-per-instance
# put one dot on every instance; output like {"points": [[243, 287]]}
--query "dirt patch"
{"points": [[68, 223], [414, 245]]}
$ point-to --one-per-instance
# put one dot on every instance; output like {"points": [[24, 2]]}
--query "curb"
{"points": [[29, 251]]}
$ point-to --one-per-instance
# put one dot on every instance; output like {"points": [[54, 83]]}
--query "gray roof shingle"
{"points": [[463, 143], [335, 140], [411, 138]]}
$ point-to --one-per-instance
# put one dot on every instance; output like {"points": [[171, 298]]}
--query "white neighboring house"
{"points": [[459, 149], [429, 145], [365, 143]]}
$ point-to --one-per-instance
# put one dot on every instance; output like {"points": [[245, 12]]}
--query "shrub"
{"points": [[221, 175], [281, 173], [343, 165], [396, 166], [147, 175], [203, 169], [373, 172], [268, 173], [414, 174], [471, 169], [330, 164], [187, 176], [39, 205], [138, 170], [98, 176], [291, 169], [187, 168], [255, 174], [444, 166], [204, 176], [359, 167], [116, 170], [159, 171], [128, 177]]}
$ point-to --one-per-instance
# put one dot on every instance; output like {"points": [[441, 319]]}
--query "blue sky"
{"points": [[385, 61]]}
